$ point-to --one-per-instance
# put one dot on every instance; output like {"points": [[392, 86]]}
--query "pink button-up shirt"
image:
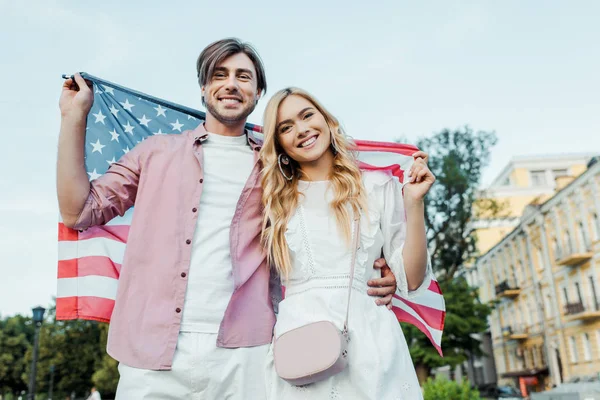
{"points": [[162, 177]]}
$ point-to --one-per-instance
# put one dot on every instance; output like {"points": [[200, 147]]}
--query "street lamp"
{"points": [[38, 318]]}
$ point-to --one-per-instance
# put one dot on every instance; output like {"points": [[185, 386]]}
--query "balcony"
{"points": [[573, 258], [583, 310], [506, 289], [515, 332]]}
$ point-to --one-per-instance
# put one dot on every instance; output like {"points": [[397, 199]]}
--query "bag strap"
{"points": [[352, 263]]}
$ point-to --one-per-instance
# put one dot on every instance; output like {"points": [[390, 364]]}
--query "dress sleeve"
{"points": [[393, 226]]}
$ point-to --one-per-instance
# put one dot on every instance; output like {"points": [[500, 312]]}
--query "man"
{"points": [[194, 311]]}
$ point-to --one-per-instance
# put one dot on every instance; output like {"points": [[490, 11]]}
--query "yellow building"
{"points": [[544, 275], [524, 180]]}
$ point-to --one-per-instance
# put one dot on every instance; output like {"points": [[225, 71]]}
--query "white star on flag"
{"points": [[115, 135], [127, 105], [128, 128], [99, 117], [113, 110], [94, 175], [97, 146], [160, 111], [144, 121], [160, 132], [176, 126], [111, 162], [126, 150], [190, 117], [108, 89]]}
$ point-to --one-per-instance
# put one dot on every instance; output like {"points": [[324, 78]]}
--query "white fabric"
{"points": [[201, 371], [380, 366], [228, 162], [95, 396]]}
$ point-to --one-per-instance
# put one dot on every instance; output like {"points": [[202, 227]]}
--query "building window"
{"points": [[557, 173], [540, 258], [594, 297], [583, 240], [573, 349], [548, 306], [568, 244], [538, 178], [565, 296], [578, 291], [557, 249], [587, 348], [596, 227]]}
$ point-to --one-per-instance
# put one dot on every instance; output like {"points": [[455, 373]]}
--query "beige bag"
{"points": [[318, 350]]}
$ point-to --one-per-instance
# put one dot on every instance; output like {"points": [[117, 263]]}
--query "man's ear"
{"points": [[258, 94]]}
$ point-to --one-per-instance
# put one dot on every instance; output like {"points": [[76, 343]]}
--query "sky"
{"points": [[386, 69]]}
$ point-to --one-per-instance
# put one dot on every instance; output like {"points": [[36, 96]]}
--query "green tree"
{"points": [[73, 348], [106, 376], [457, 159], [16, 336]]}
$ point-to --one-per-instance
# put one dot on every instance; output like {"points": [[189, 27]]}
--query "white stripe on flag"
{"points": [[428, 298], [91, 285], [435, 333], [385, 159], [101, 247]]}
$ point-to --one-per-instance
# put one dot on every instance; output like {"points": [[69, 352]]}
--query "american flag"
{"points": [[89, 261]]}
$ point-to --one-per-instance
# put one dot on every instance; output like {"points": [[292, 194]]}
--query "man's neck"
{"points": [[213, 125]]}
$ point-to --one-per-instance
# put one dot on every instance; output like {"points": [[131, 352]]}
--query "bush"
{"points": [[443, 389]]}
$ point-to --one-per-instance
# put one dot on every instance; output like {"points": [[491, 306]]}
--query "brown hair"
{"points": [[217, 51]]}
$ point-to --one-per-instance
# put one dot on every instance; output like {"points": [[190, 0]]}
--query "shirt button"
{"points": [[201, 180], [194, 209], [178, 310], [188, 241], [183, 274]]}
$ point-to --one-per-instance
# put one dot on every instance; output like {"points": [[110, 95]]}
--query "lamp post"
{"points": [[38, 318], [51, 382]]}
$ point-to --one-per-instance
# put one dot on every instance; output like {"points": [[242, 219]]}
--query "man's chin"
{"points": [[229, 116]]}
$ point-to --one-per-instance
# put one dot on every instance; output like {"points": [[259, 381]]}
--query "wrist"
{"points": [[414, 205]]}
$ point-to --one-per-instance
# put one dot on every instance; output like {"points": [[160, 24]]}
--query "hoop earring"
{"points": [[282, 158]]}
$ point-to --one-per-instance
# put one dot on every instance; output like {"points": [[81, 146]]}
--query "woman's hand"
{"points": [[419, 178]]}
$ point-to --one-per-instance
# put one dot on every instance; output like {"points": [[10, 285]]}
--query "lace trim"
{"points": [[309, 258]]}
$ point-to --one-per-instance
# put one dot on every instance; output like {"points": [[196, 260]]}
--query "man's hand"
{"points": [[76, 98], [385, 286]]}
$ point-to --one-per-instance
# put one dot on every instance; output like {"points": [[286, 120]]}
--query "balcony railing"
{"points": [[588, 309], [507, 289], [515, 332]]}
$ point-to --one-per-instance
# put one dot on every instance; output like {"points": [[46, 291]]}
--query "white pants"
{"points": [[201, 371]]}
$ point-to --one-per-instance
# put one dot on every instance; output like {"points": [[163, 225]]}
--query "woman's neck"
{"points": [[318, 170]]}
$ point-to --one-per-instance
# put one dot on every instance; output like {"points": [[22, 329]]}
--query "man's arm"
{"points": [[72, 182]]}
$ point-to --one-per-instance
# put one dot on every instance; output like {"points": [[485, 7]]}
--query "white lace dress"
{"points": [[380, 367]]}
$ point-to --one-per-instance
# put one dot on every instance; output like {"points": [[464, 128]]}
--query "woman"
{"points": [[313, 189]]}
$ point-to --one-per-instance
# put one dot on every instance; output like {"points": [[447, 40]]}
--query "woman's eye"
{"points": [[308, 115], [284, 129]]}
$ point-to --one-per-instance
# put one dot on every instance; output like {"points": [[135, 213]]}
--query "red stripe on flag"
{"points": [[387, 147], [66, 234], [403, 316], [395, 169], [432, 316], [117, 233], [434, 286], [86, 266], [85, 307]]}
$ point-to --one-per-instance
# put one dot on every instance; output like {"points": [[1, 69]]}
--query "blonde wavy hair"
{"points": [[280, 196]]}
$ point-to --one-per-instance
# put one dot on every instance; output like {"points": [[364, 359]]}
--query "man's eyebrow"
{"points": [[286, 121], [244, 70]]}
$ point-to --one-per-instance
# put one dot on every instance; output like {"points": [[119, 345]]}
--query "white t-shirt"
{"points": [[228, 162]]}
